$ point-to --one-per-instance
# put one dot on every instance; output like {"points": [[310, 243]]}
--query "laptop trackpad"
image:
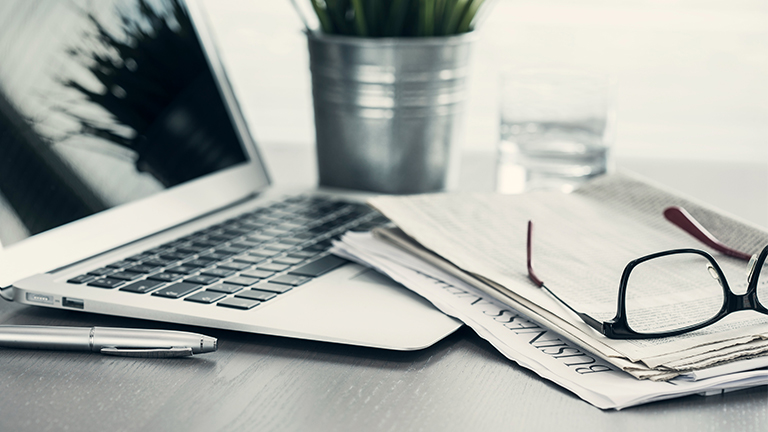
{"points": [[359, 306]]}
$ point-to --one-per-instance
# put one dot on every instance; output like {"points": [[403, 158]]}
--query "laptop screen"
{"points": [[102, 103]]}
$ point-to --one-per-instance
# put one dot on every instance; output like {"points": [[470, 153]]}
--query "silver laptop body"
{"points": [[84, 76]]}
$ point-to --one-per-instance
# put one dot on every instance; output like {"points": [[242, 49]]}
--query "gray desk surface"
{"points": [[259, 382]]}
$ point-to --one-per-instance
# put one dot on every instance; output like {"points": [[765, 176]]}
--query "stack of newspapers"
{"points": [[466, 253]]}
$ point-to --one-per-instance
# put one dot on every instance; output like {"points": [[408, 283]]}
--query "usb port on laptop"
{"points": [[72, 303]]}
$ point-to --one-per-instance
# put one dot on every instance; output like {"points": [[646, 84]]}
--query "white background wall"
{"points": [[692, 75]]}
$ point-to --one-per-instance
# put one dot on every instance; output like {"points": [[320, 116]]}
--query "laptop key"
{"points": [[303, 236], [216, 256], [241, 280], [172, 244], [157, 262], [142, 268], [266, 253], [238, 303], [288, 226], [102, 271], [322, 229], [279, 247], [291, 241], [273, 287], [258, 274], [120, 264], [200, 262], [201, 279], [275, 232], [205, 258], [218, 272], [244, 244], [269, 220], [289, 279], [252, 226], [236, 232], [177, 290], [273, 267], [81, 279], [166, 277], [106, 283], [320, 266], [126, 275], [302, 254], [255, 295], [221, 238], [182, 269], [318, 247], [206, 244], [235, 265], [206, 297], [191, 247], [225, 288], [223, 253], [156, 250], [190, 250], [232, 250], [139, 257], [174, 256], [249, 259], [287, 260], [142, 287], [259, 238]]}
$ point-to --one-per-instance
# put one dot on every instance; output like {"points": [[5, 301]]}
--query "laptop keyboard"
{"points": [[244, 261]]}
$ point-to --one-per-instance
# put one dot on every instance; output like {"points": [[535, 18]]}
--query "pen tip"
{"points": [[208, 344]]}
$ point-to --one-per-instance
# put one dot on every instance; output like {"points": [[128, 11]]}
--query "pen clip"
{"points": [[148, 352]]}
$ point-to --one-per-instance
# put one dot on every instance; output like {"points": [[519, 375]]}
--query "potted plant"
{"points": [[388, 85]]}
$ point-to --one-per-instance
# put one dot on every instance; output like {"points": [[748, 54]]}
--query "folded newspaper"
{"points": [[476, 243]]}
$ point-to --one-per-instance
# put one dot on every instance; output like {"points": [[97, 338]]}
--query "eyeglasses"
{"points": [[675, 291]]}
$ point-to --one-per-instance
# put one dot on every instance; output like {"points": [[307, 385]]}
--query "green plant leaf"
{"points": [[360, 26], [397, 18], [397, 13], [469, 16], [452, 26], [325, 21], [427, 13], [337, 10], [375, 15], [439, 16]]}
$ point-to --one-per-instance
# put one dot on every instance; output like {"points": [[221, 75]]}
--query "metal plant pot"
{"points": [[388, 111]]}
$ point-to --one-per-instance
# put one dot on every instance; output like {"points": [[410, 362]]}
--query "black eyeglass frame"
{"points": [[618, 327]]}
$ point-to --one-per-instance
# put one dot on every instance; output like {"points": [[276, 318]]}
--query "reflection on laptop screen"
{"points": [[102, 103]]}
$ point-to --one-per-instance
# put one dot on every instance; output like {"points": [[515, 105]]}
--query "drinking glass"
{"points": [[556, 129]]}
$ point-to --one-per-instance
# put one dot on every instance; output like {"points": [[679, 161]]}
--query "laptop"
{"points": [[137, 190]]}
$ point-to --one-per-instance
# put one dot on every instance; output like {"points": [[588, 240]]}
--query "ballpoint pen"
{"points": [[108, 340]]}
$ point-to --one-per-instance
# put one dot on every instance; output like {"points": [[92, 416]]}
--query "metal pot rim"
{"points": [[392, 41]]}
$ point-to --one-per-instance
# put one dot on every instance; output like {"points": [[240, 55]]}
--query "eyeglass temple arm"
{"points": [[595, 324], [684, 220], [529, 249]]}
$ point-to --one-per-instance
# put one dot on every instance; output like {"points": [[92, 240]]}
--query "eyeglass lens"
{"points": [[762, 283], [672, 292]]}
